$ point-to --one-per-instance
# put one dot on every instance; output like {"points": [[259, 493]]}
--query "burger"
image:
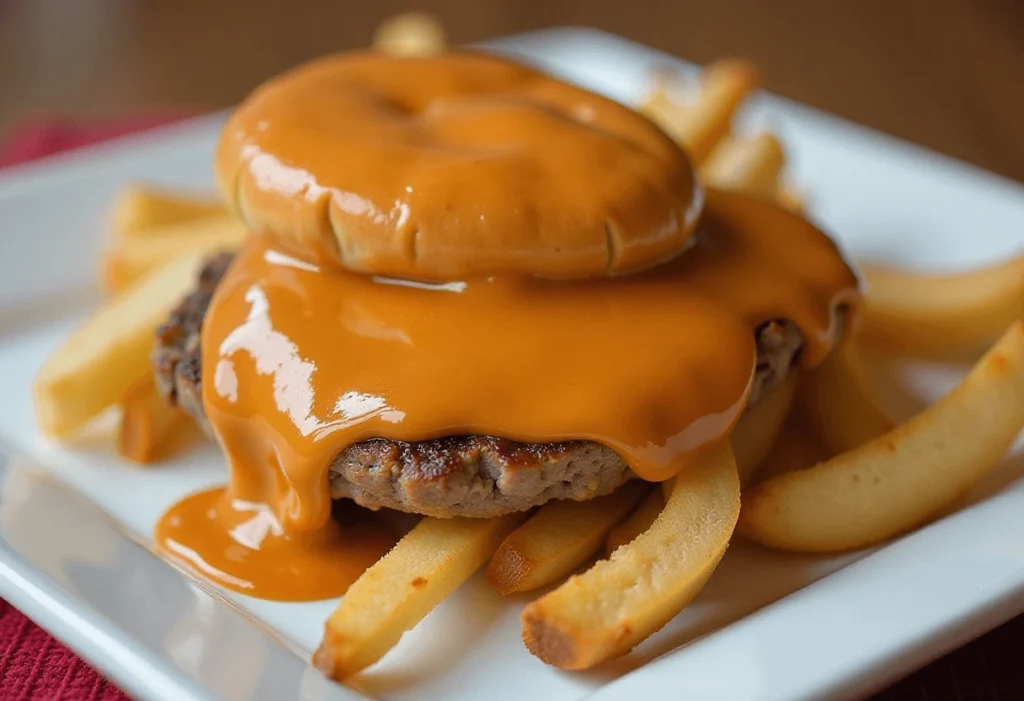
{"points": [[470, 289]]}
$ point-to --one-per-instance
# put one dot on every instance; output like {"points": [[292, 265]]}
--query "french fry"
{"points": [[758, 428], [397, 592], [749, 165], [941, 315], [141, 210], [93, 368], [790, 198], [560, 537], [796, 448], [665, 109], [410, 34], [636, 523], [133, 258], [698, 127], [838, 404], [756, 432], [617, 603], [905, 477], [149, 425]]}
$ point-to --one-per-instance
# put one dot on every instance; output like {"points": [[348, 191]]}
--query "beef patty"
{"points": [[477, 476]]}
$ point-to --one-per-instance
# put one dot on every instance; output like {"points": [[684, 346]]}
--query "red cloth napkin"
{"points": [[34, 666]]}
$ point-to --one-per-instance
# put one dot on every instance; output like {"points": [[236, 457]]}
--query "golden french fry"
{"points": [[724, 85], [410, 34], [796, 448], [140, 210], [698, 127], [149, 425], [839, 405], [756, 432], [636, 523], [665, 109], [93, 368], [397, 592], [905, 477], [134, 258], [790, 199], [617, 603], [560, 537], [936, 315], [751, 165], [758, 428]]}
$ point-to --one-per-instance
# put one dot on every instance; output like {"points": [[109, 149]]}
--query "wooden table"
{"points": [[947, 74]]}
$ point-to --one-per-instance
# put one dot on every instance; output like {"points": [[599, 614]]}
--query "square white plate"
{"points": [[85, 573]]}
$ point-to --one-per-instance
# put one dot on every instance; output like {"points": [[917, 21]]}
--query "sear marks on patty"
{"points": [[475, 476]]}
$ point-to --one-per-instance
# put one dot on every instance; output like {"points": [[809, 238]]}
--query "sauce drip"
{"points": [[572, 294], [301, 362], [241, 546]]}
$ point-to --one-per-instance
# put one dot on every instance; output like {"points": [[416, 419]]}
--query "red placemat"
{"points": [[38, 139], [34, 666]]}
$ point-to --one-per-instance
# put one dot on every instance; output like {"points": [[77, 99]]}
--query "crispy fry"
{"points": [[749, 165], [905, 477], [140, 210], [93, 368], [617, 603], [699, 127], [410, 34], [758, 428], [560, 537], [149, 425], [134, 258], [396, 593], [636, 523], [941, 315]]}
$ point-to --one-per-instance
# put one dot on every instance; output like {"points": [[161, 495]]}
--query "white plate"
{"points": [[868, 618]]}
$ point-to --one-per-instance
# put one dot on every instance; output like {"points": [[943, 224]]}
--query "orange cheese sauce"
{"points": [[301, 362], [442, 167], [242, 546], [572, 294]]}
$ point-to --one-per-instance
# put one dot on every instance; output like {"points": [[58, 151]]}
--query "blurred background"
{"points": [[947, 74]]}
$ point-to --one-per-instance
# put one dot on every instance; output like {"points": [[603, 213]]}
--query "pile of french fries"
{"points": [[866, 481], [159, 240]]}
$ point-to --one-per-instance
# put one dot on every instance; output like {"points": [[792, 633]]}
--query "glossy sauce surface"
{"points": [[525, 202], [455, 165], [241, 545], [300, 362]]}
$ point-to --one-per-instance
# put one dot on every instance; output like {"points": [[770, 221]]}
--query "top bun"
{"points": [[451, 166]]}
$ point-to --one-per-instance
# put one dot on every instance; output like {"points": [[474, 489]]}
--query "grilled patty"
{"points": [[476, 476]]}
